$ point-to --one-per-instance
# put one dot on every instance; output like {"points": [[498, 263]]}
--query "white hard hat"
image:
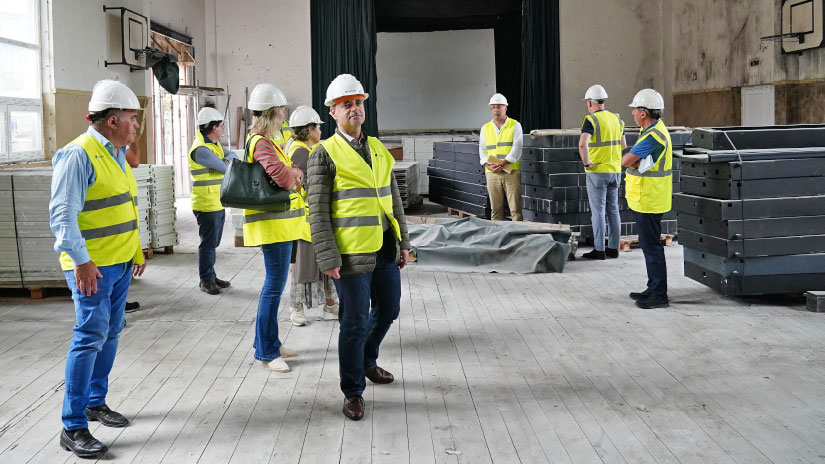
{"points": [[595, 92], [207, 115], [266, 96], [648, 98], [304, 115], [112, 94], [342, 86], [498, 99]]}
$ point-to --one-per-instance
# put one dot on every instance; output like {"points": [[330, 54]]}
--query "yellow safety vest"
{"points": [[108, 221], [360, 195], [499, 145], [206, 183], [306, 235], [263, 227], [651, 191], [282, 137], [605, 145]]}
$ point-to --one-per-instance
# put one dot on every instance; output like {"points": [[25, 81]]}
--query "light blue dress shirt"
{"points": [[73, 174]]}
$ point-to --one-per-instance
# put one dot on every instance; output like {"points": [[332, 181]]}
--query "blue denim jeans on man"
{"points": [[92, 351], [210, 229], [649, 227], [603, 195], [363, 328], [276, 261]]}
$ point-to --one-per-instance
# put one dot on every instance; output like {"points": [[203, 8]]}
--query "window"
{"points": [[21, 106]]}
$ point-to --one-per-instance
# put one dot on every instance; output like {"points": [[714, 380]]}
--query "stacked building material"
{"points": [[162, 209], [406, 176], [143, 176], [457, 178], [752, 214], [9, 262]]}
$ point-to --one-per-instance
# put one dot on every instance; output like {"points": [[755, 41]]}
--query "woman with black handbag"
{"points": [[274, 232]]}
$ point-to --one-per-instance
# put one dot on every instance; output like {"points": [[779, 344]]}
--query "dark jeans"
{"points": [[276, 261], [210, 229], [649, 227], [362, 329]]}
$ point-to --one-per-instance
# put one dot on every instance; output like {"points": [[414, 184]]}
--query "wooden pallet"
{"points": [[628, 241], [35, 292], [458, 213], [149, 253]]}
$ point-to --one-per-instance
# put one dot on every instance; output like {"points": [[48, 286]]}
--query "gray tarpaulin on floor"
{"points": [[478, 245]]}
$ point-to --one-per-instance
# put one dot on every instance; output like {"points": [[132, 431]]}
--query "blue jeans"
{"points": [[210, 229], [603, 195], [94, 344], [276, 261], [362, 329], [649, 227]]}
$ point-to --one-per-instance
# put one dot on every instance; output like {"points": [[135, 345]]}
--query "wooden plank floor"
{"points": [[490, 368]]}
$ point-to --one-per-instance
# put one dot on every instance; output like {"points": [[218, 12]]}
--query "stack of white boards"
{"points": [[162, 209]]}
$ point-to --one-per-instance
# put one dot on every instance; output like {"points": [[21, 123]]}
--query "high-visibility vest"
{"points": [[361, 195], [651, 191], [282, 136], [306, 235], [206, 183], [108, 221], [499, 145], [263, 227], [605, 145]]}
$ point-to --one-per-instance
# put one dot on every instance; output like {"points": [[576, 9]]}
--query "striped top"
{"points": [[266, 154]]}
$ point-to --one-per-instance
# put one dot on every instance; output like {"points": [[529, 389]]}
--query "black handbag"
{"points": [[247, 186]]}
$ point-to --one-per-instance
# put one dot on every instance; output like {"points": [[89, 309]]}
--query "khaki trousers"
{"points": [[499, 185]]}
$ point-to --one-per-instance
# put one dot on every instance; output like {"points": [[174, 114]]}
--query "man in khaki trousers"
{"points": [[499, 151]]}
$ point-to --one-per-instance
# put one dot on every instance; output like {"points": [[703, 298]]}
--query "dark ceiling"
{"points": [[440, 15]]}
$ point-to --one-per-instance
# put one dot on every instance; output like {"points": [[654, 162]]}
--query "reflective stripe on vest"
{"points": [[503, 139], [651, 191], [263, 227], [108, 221], [361, 195], [306, 234], [605, 145], [206, 183]]}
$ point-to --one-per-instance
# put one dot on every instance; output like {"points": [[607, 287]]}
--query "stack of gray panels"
{"points": [[162, 210], [35, 242], [457, 178], [752, 219], [406, 176], [9, 263], [143, 176]]}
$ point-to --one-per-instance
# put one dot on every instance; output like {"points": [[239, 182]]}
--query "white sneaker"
{"points": [[287, 353], [278, 365], [330, 311], [296, 315]]}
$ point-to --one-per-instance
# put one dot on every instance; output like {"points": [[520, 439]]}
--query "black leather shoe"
{"points": [[611, 253], [354, 407], [639, 296], [210, 288], [82, 443], [594, 254], [222, 283], [653, 301], [132, 307], [378, 375], [106, 416]]}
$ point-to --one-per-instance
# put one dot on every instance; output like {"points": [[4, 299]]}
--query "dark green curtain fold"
{"points": [[343, 41], [541, 79]]}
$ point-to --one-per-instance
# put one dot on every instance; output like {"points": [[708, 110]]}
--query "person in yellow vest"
{"points": [[309, 286], [284, 136], [600, 148], [94, 221], [360, 238], [499, 148], [133, 160], [649, 189], [207, 164], [273, 232]]}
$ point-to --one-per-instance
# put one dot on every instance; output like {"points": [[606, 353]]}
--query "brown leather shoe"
{"points": [[378, 375], [354, 407], [222, 283], [210, 288]]}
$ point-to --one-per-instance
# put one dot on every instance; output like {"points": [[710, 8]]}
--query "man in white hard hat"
{"points": [[360, 238], [600, 148], [94, 220], [499, 149], [648, 189], [207, 164]]}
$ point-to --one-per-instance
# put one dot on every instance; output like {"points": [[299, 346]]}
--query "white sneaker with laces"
{"points": [[330, 311], [287, 353], [278, 365], [297, 316]]}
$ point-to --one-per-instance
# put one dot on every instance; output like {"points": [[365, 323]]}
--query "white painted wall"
{"points": [[435, 80]]}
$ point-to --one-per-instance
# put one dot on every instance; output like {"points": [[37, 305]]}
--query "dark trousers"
{"points": [[210, 229], [649, 228], [363, 328]]}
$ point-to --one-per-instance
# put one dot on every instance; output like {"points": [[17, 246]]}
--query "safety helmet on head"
{"points": [[112, 94], [266, 96], [498, 99], [595, 92], [304, 115], [344, 85], [648, 98], [207, 115]]}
